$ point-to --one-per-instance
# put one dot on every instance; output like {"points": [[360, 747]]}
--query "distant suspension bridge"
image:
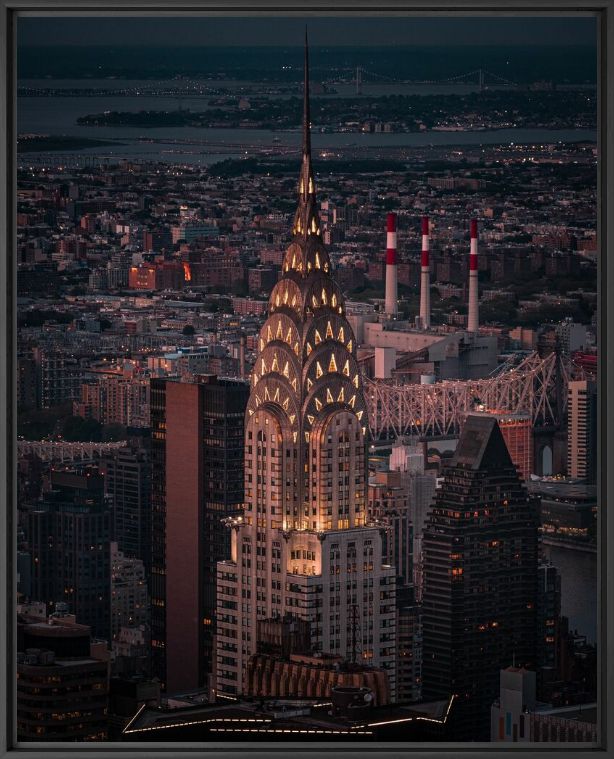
{"points": [[478, 77]]}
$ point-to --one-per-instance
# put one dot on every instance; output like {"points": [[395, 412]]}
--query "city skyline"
{"points": [[329, 438]]}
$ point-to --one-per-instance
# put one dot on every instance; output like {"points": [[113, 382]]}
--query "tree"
{"points": [[497, 310], [111, 433], [76, 428], [188, 330]]}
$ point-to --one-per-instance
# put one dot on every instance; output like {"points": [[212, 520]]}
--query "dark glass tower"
{"points": [[480, 578], [68, 532], [197, 466], [128, 483]]}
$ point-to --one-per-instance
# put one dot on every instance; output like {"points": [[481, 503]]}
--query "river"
{"points": [[578, 588], [57, 115]]}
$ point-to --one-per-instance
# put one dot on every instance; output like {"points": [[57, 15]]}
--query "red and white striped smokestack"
{"points": [[391, 265], [425, 278], [473, 319]]}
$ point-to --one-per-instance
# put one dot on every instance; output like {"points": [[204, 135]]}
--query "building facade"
{"points": [[197, 461], [302, 545], [480, 577], [517, 716], [582, 430], [68, 533], [127, 482], [62, 681], [129, 597], [517, 431]]}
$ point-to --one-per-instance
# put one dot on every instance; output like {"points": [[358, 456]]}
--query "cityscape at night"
{"points": [[307, 380]]}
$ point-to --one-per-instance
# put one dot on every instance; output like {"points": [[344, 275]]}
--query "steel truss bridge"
{"points": [[64, 451], [536, 385]]}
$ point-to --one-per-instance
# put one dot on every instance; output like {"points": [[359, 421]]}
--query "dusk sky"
{"points": [[334, 31]]}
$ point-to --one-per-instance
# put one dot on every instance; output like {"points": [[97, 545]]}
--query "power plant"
{"points": [[422, 380], [391, 307], [411, 349], [423, 320], [425, 278]]}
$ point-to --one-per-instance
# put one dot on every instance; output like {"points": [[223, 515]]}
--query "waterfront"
{"points": [[207, 146], [578, 587], [57, 115]]}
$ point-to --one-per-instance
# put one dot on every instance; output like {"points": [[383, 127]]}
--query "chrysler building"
{"points": [[302, 546]]}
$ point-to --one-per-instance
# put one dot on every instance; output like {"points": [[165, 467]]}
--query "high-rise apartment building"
{"points": [[62, 681], [59, 377], [197, 465], [480, 577], [409, 460], [118, 398], [548, 620], [127, 481], [68, 534], [388, 503], [582, 430], [302, 545], [517, 431], [401, 498], [409, 650], [129, 597]]}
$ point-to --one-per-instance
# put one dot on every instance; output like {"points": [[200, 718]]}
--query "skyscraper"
{"points": [[548, 611], [197, 460], [62, 680], [480, 577], [517, 431], [68, 533], [582, 430], [129, 597], [127, 474], [302, 546]]}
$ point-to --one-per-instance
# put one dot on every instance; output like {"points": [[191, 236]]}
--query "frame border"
{"points": [[9, 10]]}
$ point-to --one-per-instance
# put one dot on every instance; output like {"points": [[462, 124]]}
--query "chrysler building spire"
{"points": [[306, 116], [304, 522], [306, 219]]}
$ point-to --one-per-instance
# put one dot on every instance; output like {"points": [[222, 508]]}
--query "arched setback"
{"points": [[278, 359], [304, 259], [323, 293], [280, 327], [271, 462], [336, 478], [329, 327], [286, 295]]}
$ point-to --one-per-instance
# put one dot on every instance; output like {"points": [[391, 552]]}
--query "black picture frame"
{"points": [[9, 11]]}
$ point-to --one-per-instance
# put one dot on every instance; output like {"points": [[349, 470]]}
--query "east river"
{"points": [[57, 115], [578, 588]]}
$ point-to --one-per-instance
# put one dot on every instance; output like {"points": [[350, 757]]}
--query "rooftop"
{"points": [[274, 716]]}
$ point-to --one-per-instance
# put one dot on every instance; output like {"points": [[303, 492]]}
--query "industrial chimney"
{"points": [[391, 265], [472, 319], [425, 278]]}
